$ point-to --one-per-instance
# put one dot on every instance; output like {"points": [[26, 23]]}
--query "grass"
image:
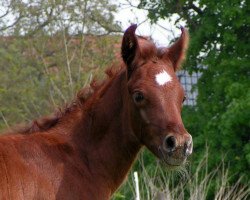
{"points": [[158, 183]]}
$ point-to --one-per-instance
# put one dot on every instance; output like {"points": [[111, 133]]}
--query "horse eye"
{"points": [[138, 97]]}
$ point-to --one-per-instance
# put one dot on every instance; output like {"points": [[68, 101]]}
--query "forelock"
{"points": [[147, 47]]}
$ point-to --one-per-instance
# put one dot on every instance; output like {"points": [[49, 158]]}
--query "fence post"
{"points": [[137, 186]]}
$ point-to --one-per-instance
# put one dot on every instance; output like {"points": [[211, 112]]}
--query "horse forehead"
{"points": [[158, 75], [162, 75]]}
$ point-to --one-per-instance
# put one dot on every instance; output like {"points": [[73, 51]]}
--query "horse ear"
{"points": [[177, 52], [129, 47]]}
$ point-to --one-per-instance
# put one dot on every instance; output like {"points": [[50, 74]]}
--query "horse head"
{"points": [[156, 96]]}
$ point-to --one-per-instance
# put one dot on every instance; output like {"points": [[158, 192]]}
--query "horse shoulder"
{"points": [[25, 170], [15, 178]]}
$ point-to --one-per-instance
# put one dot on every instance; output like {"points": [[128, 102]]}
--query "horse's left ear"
{"points": [[177, 52], [129, 47]]}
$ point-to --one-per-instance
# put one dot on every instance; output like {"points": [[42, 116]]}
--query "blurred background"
{"points": [[49, 49]]}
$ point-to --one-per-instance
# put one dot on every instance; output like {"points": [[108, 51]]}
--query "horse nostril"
{"points": [[188, 148], [170, 143]]}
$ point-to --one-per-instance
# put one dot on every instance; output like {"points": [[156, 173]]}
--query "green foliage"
{"points": [[219, 48], [42, 73], [19, 76]]}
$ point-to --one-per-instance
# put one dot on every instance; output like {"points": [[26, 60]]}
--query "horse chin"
{"points": [[174, 165], [170, 161]]}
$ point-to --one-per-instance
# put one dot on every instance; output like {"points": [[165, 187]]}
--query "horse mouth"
{"points": [[170, 161], [174, 164]]}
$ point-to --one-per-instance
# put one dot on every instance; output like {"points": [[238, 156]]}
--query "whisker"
{"points": [[163, 155]]}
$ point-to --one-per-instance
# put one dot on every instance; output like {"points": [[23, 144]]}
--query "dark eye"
{"points": [[138, 97]]}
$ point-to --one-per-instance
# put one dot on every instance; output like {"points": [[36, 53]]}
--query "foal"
{"points": [[86, 151]]}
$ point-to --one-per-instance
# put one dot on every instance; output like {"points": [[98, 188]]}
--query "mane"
{"points": [[147, 50], [82, 96]]}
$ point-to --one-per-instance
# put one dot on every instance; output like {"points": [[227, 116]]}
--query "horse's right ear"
{"points": [[129, 47]]}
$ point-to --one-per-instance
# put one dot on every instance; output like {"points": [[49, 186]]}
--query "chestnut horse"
{"points": [[86, 150]]}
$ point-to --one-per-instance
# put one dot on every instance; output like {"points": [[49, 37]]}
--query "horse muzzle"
{"points": [[174, 152]]}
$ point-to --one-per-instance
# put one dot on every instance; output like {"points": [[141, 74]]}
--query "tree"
{"points": [[48, 50], [220, 37], [77, 16]]}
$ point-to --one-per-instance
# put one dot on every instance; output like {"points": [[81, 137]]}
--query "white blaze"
{"points": [[163, 77]]}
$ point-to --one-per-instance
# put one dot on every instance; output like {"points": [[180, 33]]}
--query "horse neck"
{"points": [[104, 135]]}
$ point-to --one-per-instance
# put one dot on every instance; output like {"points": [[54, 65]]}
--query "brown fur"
{"points": [[85, 150]]}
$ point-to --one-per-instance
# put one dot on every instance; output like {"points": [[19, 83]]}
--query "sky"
{"points": [[162, 32]]}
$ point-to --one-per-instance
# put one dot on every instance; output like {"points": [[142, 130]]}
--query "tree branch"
{"points": [[45, 23], [13, 24], [6, 13], [196, 9]]}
